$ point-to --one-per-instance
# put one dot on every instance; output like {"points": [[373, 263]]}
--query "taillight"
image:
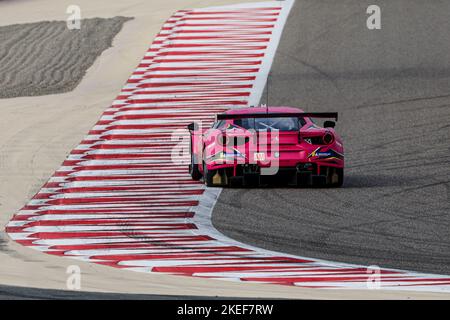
{"points": [[222, 139], [328, 138]]}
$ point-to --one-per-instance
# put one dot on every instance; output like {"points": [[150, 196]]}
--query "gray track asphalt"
{"points": [[392, 90], [22, 293]]}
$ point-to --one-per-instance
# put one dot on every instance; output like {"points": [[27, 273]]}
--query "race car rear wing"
{"points": [[330, 115]]}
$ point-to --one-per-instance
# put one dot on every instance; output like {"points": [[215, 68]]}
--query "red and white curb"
{"points": [[120, 200]]}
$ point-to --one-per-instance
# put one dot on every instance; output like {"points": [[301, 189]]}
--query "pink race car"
{"points": [[264, 145]]}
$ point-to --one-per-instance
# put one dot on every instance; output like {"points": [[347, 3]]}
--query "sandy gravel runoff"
{"points": [[38, 132], [46, 57]]}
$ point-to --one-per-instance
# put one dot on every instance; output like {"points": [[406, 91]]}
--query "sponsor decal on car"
{"points": [[224, 155], [326, 154]]}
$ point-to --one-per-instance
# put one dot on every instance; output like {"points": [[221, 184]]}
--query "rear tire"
{"points": [[193, 168], [335, 177], [207, 176], [340, 173]]}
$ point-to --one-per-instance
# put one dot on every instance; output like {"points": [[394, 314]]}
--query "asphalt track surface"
{"points": [[392, 90], [22, 293]]}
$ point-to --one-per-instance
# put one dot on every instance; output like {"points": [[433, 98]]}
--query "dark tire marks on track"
{"points": [[46, 57], [21, 293], [392, 89]]}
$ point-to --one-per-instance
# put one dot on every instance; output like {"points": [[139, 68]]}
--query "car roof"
{"points": [[249, 110]]}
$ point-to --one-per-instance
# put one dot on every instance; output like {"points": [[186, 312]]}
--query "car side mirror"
{"points": [[329, 124], [192, 126]]}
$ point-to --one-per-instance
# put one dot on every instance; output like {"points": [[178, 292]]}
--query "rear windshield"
{"points": [[218, 124], [282, 124]]}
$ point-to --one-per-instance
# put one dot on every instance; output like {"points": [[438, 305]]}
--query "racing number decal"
{"points": [[259, 156]]}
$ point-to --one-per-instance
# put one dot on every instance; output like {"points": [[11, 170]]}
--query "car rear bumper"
{"points": [[303, 174]]}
